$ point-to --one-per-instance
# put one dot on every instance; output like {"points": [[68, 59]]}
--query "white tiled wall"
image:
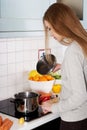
{"points": [[17, 57]]}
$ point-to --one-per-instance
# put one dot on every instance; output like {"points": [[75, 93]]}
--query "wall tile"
{"points": [[3, 81], [11, 80], [19, 46], [11, 69], [11, 57], [3, 47], [3, 70], [19, 67], [3, 58], [11, 45], [18, 56], [11, 91], [3, 93]]}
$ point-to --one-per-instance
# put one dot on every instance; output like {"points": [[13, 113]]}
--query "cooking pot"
{"points": [[46, 64], [26, 102]]}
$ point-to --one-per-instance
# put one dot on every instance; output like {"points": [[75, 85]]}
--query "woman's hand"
{"points": [[57, 67], [46, 106]]}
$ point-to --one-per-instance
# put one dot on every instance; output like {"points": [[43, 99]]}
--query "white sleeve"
{"points": [[73, 66]]}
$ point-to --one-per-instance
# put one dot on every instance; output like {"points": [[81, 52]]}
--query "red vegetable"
{"points": [[43, 98]]}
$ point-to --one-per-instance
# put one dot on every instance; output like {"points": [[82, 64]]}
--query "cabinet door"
{"points": [[22, 15], [23, 9]]}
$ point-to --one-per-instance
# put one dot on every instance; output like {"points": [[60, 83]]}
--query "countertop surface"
{"points": [[31, 124]]}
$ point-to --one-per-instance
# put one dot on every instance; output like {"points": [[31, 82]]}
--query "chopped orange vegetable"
{"points": [[6, 125], [41, 78], [35, 76], [0, 120]]}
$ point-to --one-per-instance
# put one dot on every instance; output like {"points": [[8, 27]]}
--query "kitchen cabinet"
{"points": [[22, 17]]}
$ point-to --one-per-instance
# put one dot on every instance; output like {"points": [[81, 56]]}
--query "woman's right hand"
{"points": [[57, 67]]}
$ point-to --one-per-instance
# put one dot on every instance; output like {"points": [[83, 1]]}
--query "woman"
{"points": [[64, 26]]}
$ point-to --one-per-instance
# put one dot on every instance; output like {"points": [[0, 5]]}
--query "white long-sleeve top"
{"points": [[73, 97]]}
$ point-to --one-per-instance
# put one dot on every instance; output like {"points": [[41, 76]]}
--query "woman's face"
{"points": [[52, 32]]}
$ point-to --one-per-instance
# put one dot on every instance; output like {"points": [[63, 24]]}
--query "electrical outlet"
{"points": [[41, 52]]}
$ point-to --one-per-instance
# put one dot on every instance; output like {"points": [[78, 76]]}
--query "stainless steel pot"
{"points": [[26, 102], [46, 64]]}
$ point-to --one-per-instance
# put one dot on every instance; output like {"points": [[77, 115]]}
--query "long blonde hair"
{"points": [[65, 22]]}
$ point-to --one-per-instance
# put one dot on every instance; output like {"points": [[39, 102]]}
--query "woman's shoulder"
{"points": [[74, 47], [74, 51]]}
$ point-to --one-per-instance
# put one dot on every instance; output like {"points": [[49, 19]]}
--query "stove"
{"points": [[8, 107]]}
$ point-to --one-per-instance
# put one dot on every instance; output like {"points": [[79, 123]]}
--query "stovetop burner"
{"points": [[8, 108]]}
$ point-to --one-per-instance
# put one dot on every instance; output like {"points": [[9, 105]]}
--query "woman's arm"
{"points": [[57, 67]]}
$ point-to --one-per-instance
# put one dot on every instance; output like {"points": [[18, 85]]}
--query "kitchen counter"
{"points": [[31, 124]]}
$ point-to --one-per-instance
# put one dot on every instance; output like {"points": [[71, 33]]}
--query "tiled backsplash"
{"points": [[17, 57]]}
